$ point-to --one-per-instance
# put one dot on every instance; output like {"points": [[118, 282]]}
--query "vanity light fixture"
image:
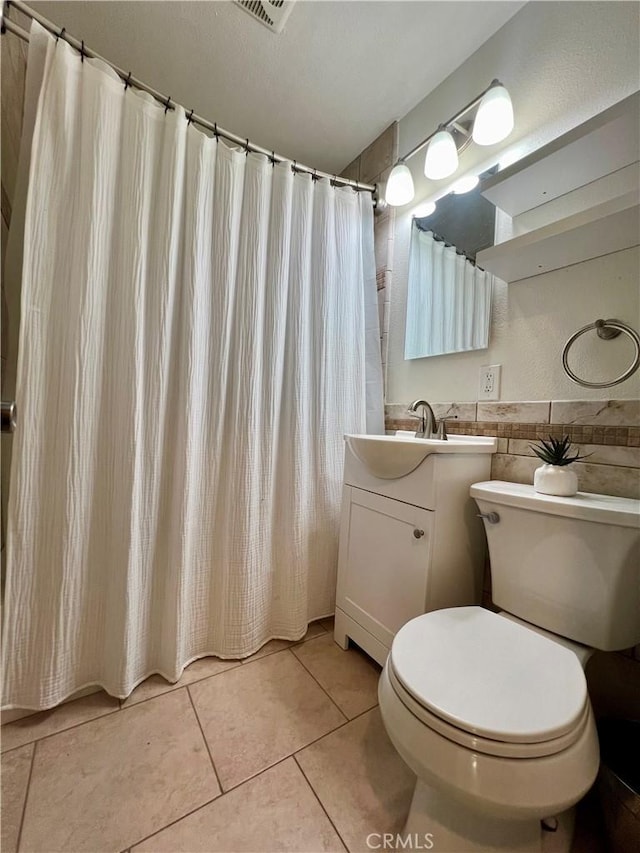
{"points": [[492, 115], [465, 185], [442, 156], [399, 189], [494, 119]]}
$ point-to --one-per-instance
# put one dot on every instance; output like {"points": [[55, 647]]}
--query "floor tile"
{"points": [[156, 685], [327, 624], [16, 766], [314, 630], [349, 677], [57, 720], [258, 714], [116, 780], [360, 780], [277, 811]]}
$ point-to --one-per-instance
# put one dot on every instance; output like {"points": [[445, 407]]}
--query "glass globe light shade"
{"points": [[399, 188], [494, 119], [442, 156]]}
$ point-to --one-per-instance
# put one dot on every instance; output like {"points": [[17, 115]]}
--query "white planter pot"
{"points": [[559, 480]]}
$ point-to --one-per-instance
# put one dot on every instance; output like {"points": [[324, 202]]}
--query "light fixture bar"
{"points": [[450, 122]]}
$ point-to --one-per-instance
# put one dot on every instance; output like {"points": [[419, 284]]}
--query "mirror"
{"points": [[449, 297]]}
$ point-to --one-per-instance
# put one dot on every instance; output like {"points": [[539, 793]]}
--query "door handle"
{"points": [[8, 415]]}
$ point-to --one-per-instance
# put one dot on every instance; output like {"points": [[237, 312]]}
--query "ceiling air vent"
{"points": [[271, 13]]}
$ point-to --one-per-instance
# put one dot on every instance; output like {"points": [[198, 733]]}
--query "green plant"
{"points": [[556, 451]]}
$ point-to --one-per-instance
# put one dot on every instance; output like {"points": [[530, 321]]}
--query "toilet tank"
{"points": [[570, 565]]}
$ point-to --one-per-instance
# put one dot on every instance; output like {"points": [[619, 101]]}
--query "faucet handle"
{"points": [[442, 427]]}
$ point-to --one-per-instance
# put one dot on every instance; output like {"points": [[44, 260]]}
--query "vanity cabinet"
{"points": [[407, 545]]}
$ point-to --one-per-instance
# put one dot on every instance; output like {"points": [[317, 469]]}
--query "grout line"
{"points": [[26, 797], [172, 823], [315, 794], [252, 658], [176, 686], [280, 760], [224, 792], [209, 802], [206, 742], [324, 690], [337, 728], [61, 731]]}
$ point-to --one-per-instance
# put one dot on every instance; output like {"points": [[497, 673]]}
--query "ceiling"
{"points": [[319, 92]]}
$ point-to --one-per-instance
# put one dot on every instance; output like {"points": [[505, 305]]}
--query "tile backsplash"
{"points": [[607, 431]]}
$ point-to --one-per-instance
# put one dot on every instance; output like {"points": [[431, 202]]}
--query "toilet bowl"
{"points": [[490, 710], [495, 722]]}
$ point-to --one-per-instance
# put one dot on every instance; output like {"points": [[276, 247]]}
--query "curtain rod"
{"points": [[447, 244], [127, 78]]}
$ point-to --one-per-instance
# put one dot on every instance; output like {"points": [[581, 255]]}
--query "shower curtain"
{"points": [[196, 337], [448, 299]]}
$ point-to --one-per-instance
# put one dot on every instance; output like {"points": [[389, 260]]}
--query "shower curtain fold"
{"points": [[195, 340]]}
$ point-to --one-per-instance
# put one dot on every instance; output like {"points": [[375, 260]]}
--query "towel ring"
{"points": [[607, 330]]}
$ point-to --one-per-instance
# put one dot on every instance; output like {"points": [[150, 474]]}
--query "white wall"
{"points": [[562, 63]]}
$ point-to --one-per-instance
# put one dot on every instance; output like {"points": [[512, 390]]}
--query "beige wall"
{"points": [[373, 166], [562, 63]]}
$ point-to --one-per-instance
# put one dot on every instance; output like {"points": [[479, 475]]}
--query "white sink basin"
{"points": [[391, 456]]}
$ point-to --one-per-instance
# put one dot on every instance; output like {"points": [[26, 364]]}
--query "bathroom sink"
{"points": [[391, 456]]}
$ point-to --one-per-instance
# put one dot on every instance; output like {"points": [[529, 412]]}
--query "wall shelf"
{"points": [[580, 194], [601, 230], [605, 143]]}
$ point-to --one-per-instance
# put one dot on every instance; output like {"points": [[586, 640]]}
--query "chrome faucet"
{"points": [[421, 409]]}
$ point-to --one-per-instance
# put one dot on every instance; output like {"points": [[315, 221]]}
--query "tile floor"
{"points": [[283, 752]]}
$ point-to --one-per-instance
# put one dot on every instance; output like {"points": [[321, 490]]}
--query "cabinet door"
{"points": [[383, 570]]}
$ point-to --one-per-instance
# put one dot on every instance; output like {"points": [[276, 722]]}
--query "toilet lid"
{"points": [[488, 675]]}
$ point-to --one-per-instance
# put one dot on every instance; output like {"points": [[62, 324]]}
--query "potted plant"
{"points": [[556, 476]]}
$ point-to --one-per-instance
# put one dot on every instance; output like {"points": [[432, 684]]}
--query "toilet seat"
{"points": [[488, 683], [487, 746]]}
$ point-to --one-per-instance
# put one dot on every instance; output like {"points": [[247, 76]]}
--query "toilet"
{"points": [[490, 710]]}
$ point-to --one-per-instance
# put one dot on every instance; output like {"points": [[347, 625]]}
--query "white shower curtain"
{"points": [[192, 350], [448, 299]]}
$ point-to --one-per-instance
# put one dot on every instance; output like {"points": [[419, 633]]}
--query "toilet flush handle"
{"points": [[491, 517]]}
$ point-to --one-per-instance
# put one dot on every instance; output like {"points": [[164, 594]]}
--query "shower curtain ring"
{"points": [[273, 158], [82, 52], [167, 104], [127, 82], [189, 118], [215, 131], [61, 34], [246, 147]]}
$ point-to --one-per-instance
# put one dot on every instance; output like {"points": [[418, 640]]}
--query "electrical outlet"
{"points": [[489, 388]]}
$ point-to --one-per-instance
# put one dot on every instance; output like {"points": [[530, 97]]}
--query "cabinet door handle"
{"points": [[418, 533]]}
